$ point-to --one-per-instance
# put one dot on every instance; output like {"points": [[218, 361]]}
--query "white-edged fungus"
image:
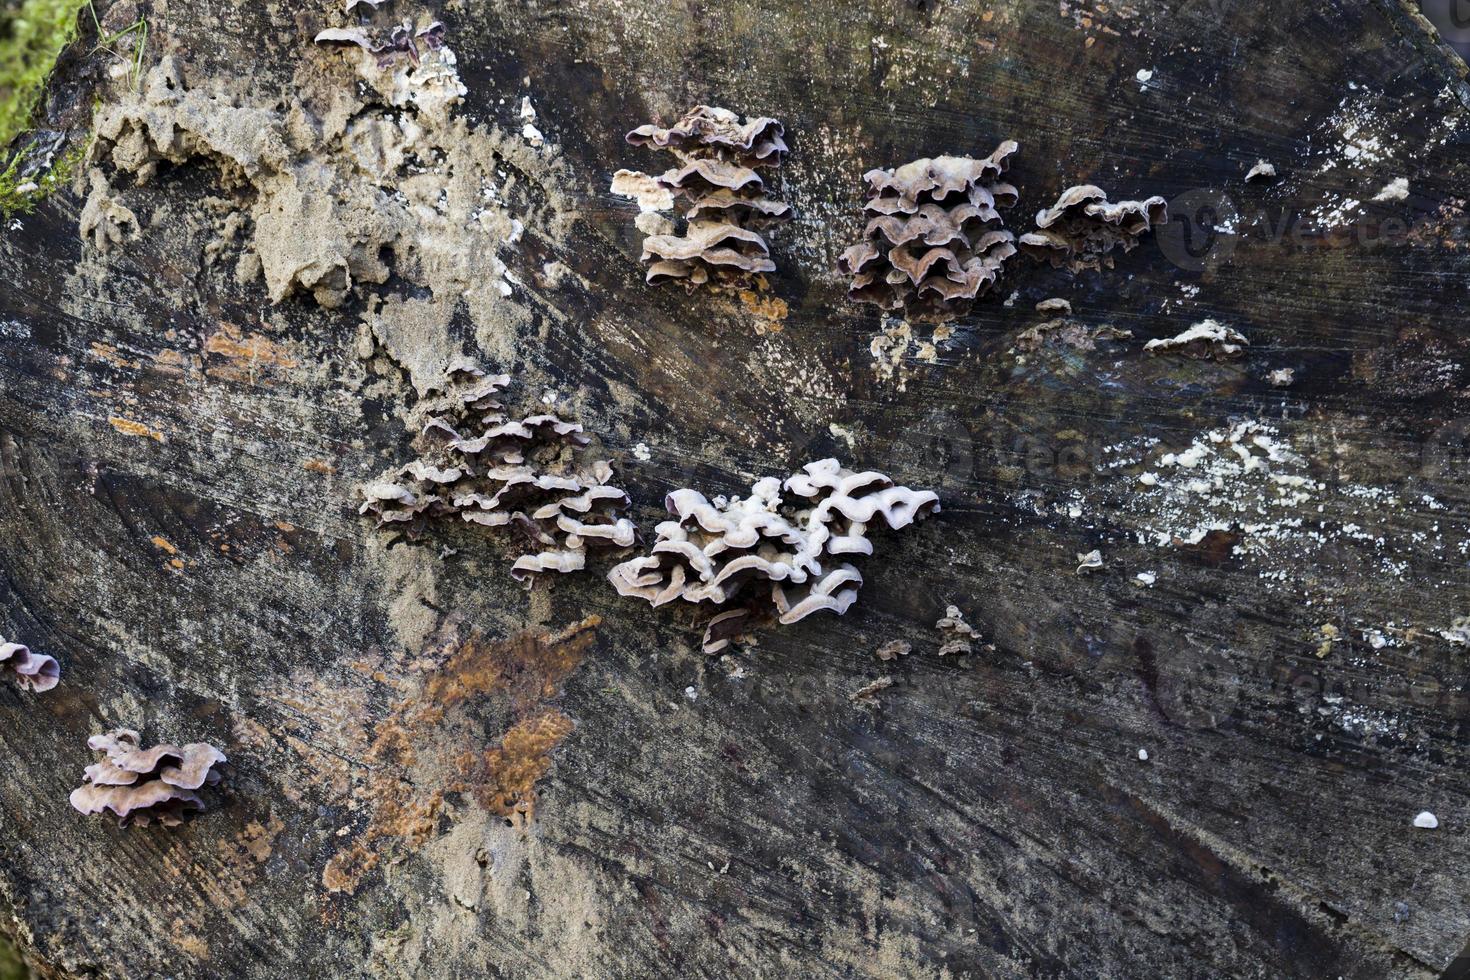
{"points": [[725, 200], [934, 240], [958, 636], [34, 672], [1261, 171], [528, 473], [1206, 340], [1082, 228], [765, 553]]}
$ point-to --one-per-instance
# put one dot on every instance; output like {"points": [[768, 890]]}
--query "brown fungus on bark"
{"points": [[139, 785], [722, 199], [530, 474], [768, 554], [1082, 228], [33, 672], [934, 241]]}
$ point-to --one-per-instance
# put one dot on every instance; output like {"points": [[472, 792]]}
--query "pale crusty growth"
{"points": [[333, 204], [145, 785], [1081, 230], [722, 197], [34, 672], [762, 554], [105, 222], [529, 474], [934, 240], [1207, 340]]}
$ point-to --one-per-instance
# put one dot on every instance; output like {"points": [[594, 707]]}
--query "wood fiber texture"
{"points": [[437, 774]]}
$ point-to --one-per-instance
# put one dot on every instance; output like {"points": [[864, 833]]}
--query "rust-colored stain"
{"points": [[245, 356], [319, 466], [130, 428], [431, 746], [770, 311], [112, 355], [163, 544], [523, 756]]}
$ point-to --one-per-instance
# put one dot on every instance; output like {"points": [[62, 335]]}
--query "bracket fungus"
{"points": [[763, 554], [934, 241], [1082, 228], [723, 198], [528, 473], [402, 38], [145, 785], [958, 636], [34, 672]]}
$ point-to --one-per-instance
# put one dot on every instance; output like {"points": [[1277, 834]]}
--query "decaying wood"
{"points": [[1203, 755]]}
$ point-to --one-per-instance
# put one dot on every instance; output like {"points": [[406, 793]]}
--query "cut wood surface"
{"points": [[1203, 756]]}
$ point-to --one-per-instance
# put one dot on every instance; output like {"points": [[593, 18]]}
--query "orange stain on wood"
{"points": [[163, 544], [770, 311], [245, 355], [128, 427], [318, 466]]}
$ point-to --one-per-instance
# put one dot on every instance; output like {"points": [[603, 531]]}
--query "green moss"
{"points": [[11, 967], [31, 39]]}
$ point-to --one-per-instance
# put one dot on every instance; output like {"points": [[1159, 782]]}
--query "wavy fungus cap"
{"points": [[34, 672]]}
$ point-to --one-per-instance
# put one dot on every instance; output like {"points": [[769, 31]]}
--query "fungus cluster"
{"points": [[722, 197], [526, 473], [403, 39], [1082, 228], [34, 672], [145, 785], [934, 240], [764, 555]]}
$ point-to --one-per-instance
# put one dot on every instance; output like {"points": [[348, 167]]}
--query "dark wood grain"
{"points": [[983, 816]]}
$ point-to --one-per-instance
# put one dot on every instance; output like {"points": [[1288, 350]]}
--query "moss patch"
{"points": [[32, 36], [11, 968], [30, 40]]}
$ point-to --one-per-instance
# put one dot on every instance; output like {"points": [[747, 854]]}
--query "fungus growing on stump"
{"points": [[934, 241], [763, 555], [145, 785], [1082, 228], [724, 200], [34, 672], [530, 474]]}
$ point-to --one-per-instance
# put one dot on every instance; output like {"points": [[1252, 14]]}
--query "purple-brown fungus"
{"points": [[530, 474], [934, 240], [765, 554], [142, 786], [34, 672], [722, 199], [1082, 228]]}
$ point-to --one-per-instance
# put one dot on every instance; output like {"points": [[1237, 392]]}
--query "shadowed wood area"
{"points": [[1203, 758]]}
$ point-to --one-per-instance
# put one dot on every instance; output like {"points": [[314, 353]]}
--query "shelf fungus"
{"points": [[723, 200], [406, 38], [956, 635], [139, 785], [1082, 228], [934, 241], [34, 672], [530, 474], [769, 556]]}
